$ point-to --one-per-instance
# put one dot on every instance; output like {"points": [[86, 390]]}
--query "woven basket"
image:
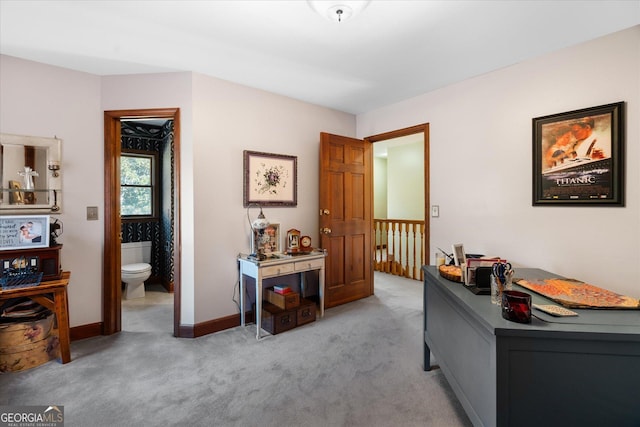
{"points": [[450, 272]]}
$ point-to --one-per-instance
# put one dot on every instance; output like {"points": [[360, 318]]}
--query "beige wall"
{"points": [[47, 101], [480, 141], [379, 188], [218, 121], [480, 146], [405, 181], [230, 118]]}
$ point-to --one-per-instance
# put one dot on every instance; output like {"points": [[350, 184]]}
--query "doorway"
{"points": [[418, 133], [112, 291]]}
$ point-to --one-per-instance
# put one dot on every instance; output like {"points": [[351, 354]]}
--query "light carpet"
{"points": [[360, 365]]}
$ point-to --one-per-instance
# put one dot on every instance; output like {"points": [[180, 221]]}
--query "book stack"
{"points": [[282, 289]]}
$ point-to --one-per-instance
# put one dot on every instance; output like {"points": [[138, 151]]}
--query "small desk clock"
{"points": [[293, 241], [305, 244]]}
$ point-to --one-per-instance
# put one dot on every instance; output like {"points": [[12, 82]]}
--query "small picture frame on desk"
{"points": [[271, 239], [459, 256]]}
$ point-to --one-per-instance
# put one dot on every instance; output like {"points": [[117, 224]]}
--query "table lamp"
{"points": [[258, 226]]}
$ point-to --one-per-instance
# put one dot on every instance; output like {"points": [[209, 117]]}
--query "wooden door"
{"points": [[346, 194]]}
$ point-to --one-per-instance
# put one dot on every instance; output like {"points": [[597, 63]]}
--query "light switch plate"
{"points": [[435, 211], [92, 213]]}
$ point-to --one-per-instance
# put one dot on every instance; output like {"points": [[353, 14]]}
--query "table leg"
{"points": [[61, 309], [321, 290], [242, 290], [258, 313], [427, 356]]}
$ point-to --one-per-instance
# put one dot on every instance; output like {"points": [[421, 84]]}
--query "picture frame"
{"points": [[16, 196], [24, 231], [459, 256], [579, 157], [270, 179], [271, 239]]}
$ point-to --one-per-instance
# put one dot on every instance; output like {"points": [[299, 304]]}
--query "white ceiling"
{"points": [[392, 51]]}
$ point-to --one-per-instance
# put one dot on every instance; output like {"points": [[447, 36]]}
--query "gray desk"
{"points": [[574, 371]]}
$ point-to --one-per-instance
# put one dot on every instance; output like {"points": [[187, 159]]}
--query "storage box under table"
{"points": [[28, 344], [306, 312], [276, 320], [286, 301]]}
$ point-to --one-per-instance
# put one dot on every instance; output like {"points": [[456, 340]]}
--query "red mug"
{"points": [[516, 306]]}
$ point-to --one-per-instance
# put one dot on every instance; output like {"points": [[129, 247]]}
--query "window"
{"points": [[137, 185]]}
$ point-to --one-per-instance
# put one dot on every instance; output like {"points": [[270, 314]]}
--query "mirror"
{"points": [[30, 172]]}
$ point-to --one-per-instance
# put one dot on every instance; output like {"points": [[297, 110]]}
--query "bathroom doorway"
{"points": [[166, 256], [146, 213]]}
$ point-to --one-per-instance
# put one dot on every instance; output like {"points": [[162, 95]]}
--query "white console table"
{"points": [[280, 265]]}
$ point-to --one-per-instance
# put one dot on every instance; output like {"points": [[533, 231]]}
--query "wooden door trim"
{"points": [[112, 292], [424, 128]]}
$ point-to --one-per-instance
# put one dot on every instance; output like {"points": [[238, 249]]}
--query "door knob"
{"points": [[325, 230], [324, 212]]}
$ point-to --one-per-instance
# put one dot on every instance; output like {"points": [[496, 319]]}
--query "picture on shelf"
{"points": [[16, 196]]}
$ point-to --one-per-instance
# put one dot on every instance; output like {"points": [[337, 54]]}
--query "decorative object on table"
{"points": [[282, 289], [270, 242], [55, 231], [27, 175], [576, 294], [293, 241], [305, 244], [501, 280], [450, 259], [270, 179], [451, 272], [458, 254], [481, 278], [474, 263], [258, 226], [516, 306], [24, 231], [54, 167], [554, 310], [578, 157], [16, 195], [20, 273]]}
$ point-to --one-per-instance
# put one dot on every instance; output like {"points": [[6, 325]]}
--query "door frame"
{"points": [[412, 130], [112, 284]]}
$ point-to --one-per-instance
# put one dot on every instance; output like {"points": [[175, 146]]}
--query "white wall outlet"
{"points": [[435, 211]]}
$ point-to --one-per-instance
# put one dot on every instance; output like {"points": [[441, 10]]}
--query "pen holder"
{"points": [[498, 286]]}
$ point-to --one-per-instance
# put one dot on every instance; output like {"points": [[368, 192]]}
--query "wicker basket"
{"points": [[451, 272]]}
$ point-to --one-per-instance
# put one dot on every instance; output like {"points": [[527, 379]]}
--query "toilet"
{"points": [[136, 257]]}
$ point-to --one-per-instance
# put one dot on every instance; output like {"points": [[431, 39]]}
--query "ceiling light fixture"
{"points": [[338, 11]]}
